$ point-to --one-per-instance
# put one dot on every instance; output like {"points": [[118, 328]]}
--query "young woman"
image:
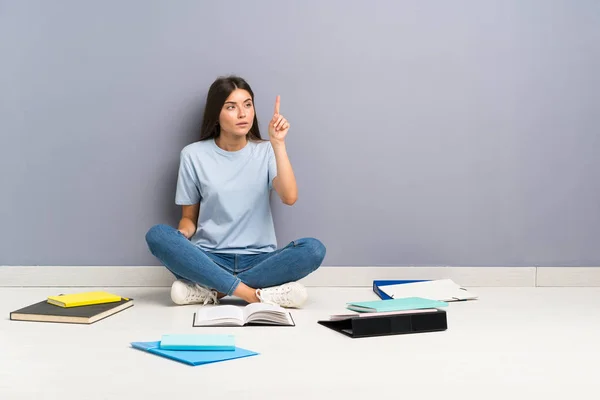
{"points": [[225, 243]]}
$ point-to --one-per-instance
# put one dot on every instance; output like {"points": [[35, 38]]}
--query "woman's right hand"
{"points": [[189, 218]]}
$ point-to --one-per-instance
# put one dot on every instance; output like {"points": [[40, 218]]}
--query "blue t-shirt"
{"points": [[233, 188]]}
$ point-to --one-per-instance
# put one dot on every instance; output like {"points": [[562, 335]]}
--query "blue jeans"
{"points": [[224, 272]]}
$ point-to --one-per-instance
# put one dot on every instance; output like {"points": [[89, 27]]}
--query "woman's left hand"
{"points": [[279, 126]]}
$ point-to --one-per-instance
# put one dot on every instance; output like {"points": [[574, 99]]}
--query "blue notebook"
{"points": [[193, 357], [407, 303], [204, 342]]}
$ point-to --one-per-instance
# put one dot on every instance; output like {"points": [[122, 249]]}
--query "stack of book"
{"points": [[406, 306], [390, 317], [75, 308], [195, 349]]}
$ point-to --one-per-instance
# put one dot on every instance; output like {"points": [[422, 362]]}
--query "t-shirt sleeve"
{"points": [[272, 166], [188, 186]]}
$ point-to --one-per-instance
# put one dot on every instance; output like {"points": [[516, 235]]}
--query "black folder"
{"points": [[383, 325]]}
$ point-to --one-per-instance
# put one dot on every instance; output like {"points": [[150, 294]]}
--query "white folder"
{"points": [[442, 290]]}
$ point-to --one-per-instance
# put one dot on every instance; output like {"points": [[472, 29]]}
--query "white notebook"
{"points": [[442, 290]]}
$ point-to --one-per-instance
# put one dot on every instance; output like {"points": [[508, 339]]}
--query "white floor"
{"points": [[522, 342]]}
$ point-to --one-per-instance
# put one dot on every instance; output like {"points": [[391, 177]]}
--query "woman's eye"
{"points": [[249, 105]]}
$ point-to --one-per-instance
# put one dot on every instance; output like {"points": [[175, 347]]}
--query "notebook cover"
{"points": [[83, 299], [407, 303], [46, 312], [206, 342], [360, 327], [192, 357]]}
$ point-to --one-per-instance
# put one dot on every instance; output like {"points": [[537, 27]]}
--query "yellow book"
{"points": [[83, 299]]}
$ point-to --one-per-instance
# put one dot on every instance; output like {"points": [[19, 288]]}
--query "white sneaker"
{"points": [[191, 293], [291, 294]]}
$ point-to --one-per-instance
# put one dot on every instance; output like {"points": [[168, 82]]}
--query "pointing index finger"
{"points": [[277, 105]]}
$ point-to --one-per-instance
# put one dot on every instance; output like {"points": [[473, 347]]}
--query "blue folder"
{"points": [[193, 357], [377, 284]]}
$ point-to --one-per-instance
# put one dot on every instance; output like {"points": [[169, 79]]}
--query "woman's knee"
{"points": [[156, 234], [316, 249]]}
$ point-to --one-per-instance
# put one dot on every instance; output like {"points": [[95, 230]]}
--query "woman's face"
{"points": [[237, 113]]}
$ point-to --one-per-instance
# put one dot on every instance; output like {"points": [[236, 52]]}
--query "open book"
{"points": [[252, 314]]}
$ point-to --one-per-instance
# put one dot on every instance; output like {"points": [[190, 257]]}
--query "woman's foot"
{"points": [[289, 295], [183, 293]]}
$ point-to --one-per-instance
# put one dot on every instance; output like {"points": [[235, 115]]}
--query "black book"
{"points": [[383, 324], [46, 312]]}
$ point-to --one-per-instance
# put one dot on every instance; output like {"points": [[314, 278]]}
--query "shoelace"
{"points": [[276, 295], [211, 297], [197, 293]]}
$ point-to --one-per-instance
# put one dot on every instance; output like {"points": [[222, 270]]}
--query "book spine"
{"points": [[380, 293]]}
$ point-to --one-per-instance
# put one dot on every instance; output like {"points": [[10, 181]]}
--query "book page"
{"points": [[257, 307], [381, 313], [219, 313], [267, 314]]}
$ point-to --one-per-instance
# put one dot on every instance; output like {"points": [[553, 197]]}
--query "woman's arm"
{"points": [[189, 220], [285, 181]]}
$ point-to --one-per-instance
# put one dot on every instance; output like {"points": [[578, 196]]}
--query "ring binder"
{"points": [[384, 325]]}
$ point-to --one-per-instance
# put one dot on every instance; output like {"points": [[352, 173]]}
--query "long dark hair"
{"points": [[217, 94]]}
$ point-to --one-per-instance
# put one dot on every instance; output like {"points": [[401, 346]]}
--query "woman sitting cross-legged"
{"points": [[225, 243]]}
